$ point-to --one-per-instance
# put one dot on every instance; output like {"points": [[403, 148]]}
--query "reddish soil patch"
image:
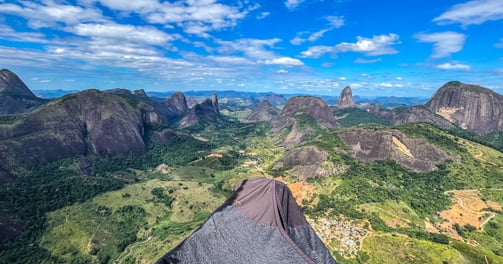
{"points": [[467, 210], [301, 191]]}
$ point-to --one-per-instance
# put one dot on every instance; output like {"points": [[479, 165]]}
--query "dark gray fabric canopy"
{"points": [[260, 223]]}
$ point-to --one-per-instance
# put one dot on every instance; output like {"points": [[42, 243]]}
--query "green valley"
{"points": [[376, 190]]}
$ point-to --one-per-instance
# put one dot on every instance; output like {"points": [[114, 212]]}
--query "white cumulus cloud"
{"points": [[453, 66], [136, 5], [336, 21], [472, 13], [49, 13], [292, 4], [141, 34], [10, 34], [230, 60], [317, 51], [444, 43], [284, 61], [375, 46], [194, 16], [385, 85]]}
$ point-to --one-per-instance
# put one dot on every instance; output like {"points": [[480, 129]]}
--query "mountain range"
{"points": [[123, 176]]}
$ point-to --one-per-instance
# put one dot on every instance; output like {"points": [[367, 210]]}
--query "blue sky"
{"points": [[385, 47]]}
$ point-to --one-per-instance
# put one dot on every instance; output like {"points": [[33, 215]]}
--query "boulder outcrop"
{"points": [[370, 145], [471, 107], [311, 106]]}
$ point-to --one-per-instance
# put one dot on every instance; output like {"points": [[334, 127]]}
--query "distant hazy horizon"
{"points": [[61, 92], [379, 48]]}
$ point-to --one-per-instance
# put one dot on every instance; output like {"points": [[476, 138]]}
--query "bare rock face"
{"points": [[296, 136], [369, 145], [167, 111], [404, 115], [300, 107], [346, 98], [264, 112], [303, 156], [88, 122], [112, 127], [191, 102], [11, 84], [179, 102], [306, 162], [471, 107], [207, 111], [15, 96], [309, 105], [214, 103]]}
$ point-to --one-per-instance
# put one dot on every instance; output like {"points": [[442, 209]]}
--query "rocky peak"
{"points": [[191, 102], [206, 111], [471, 107], [209, 106], [312, 106], [15, 96], [140, 92], [12, 85], [214, 103], [179, 101], [80, 124], [264, 112], [274, 99], [297, 109], [346, 98]]}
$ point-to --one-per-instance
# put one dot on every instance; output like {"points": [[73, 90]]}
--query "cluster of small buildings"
{"points": [[340, 234]]}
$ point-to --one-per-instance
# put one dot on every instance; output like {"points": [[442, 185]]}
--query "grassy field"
{"points": [[81, 230], [493, 194], [397, 249], [395, 214], [491, 235], [350, 117], [155, 211], [483, 153], [471, 173]]}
